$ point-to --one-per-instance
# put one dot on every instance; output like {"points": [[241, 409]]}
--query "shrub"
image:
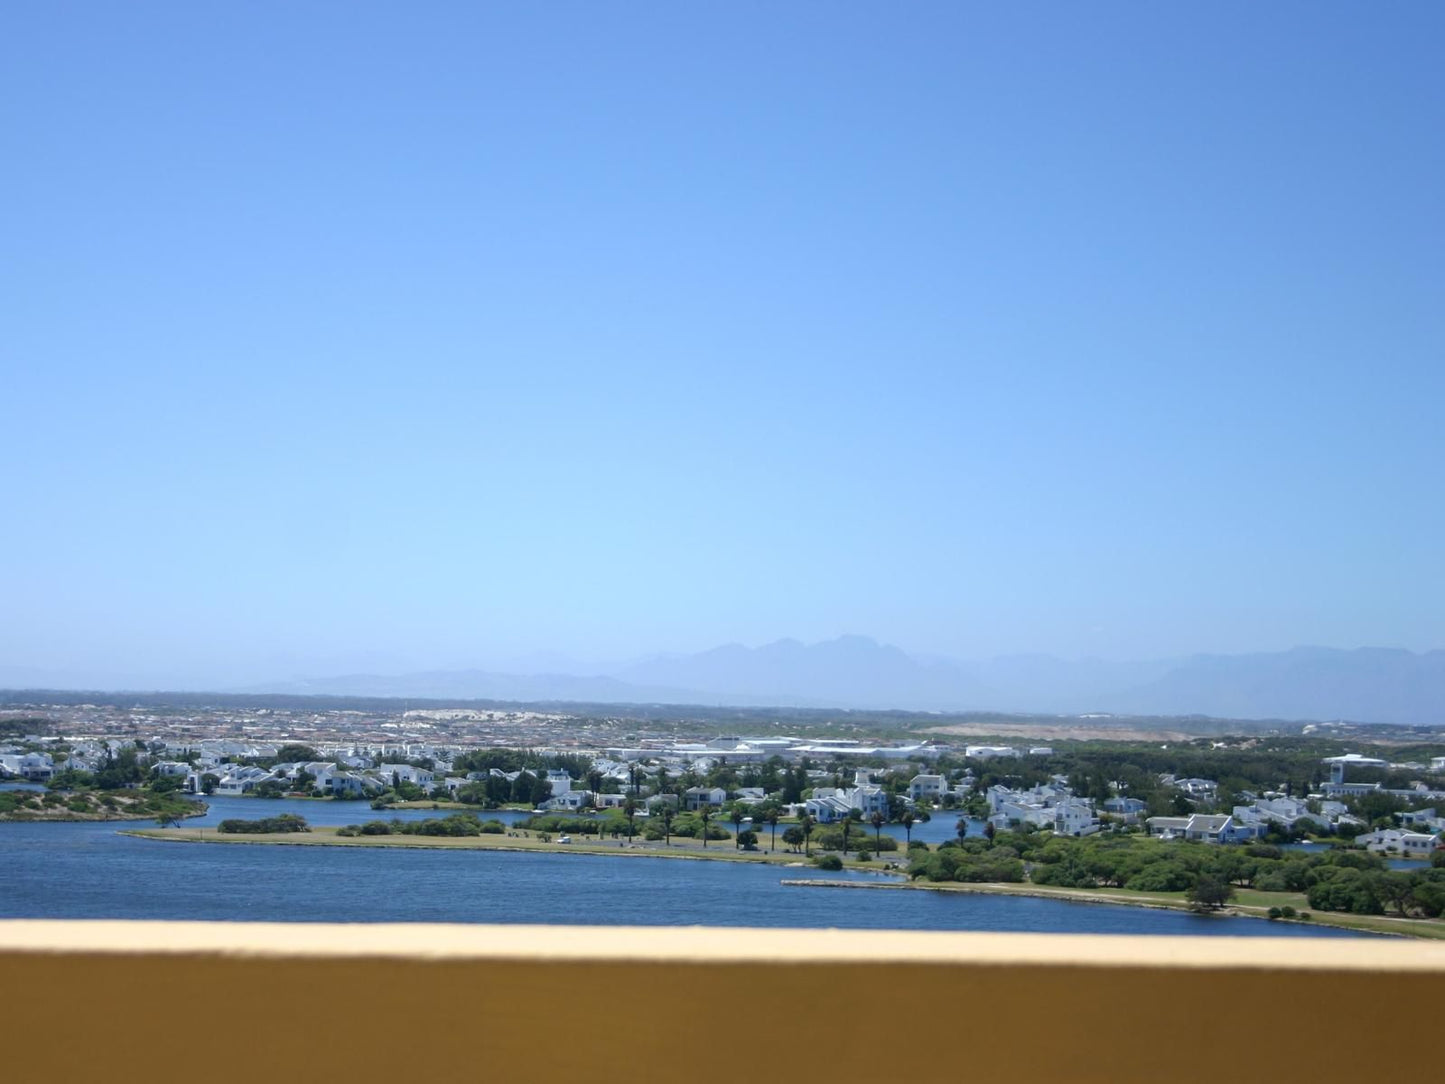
{"points": [[1275, 912], [829, 862], [1286, 911], [286, 822]]}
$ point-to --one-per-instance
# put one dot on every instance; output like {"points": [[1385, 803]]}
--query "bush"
{"points": [[286, 822], [1161, 877], [829, 862], [1286, 911], [1275, 912], [748, 840]]}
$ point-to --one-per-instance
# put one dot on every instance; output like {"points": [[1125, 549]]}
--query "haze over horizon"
{"points": [[354, 339]]}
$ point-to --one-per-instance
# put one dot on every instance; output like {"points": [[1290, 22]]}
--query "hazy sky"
{"points": [[434, 334]]}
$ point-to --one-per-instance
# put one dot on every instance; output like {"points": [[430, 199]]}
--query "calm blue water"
{"points": [[1390, 863], [89, 871]]}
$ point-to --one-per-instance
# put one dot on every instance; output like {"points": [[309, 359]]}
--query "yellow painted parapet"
{"points": [[122, 1001]]}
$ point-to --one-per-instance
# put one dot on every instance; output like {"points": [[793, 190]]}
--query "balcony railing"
{"points": [[152, 1001]]}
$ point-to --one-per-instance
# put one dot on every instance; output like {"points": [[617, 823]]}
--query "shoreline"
{"points": [[93, 818], [509, 845], [1414, 929], [891, 879]]}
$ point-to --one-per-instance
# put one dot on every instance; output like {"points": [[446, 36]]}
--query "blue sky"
{"points": [[381, 335]]}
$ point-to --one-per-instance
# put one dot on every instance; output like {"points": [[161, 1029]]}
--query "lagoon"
{"points": [[89, 870]]}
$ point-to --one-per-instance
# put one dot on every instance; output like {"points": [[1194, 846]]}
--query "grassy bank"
{"points": [[87, 805], [513, 840], [1249, 904]]}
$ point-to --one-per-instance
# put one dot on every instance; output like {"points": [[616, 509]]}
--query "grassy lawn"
{"points": [[515, 840]]}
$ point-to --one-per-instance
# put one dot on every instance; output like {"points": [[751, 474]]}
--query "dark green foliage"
{"points": [[297, 753], [1210, 892], [456, 824], [830, 838], [830, 862], [286, 822]]}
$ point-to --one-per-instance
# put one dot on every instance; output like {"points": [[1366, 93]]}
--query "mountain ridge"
{"points": [[1368, 684]]}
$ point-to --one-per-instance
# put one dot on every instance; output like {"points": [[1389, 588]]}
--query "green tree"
{"points": [[773, 824], [793, 837], [737, 818], [1210, 892], [296, 753], [908, 827], [704, 814], [877, 821], [629, 810]]}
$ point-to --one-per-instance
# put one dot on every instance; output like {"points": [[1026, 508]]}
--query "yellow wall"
{"points": [[203, 1002]]}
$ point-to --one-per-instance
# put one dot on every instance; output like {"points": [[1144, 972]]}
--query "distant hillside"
{"points": [[1373, 685], [1370, 685]]}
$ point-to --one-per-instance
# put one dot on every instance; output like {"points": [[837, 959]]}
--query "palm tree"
{"points": [[737, 819], [807, 823], [963, 827], [629, 807], [847, 824], [907, 819], [877, 821], [705, 813], [666, 824], [773, 824]]}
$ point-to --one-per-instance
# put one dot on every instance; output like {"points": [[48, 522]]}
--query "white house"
{"points": [[1398, 841], [697, 797], [406, 773], [989, 752], [1423, 820], [569, 800], [1201, 827], [927, 788], [348, 784], [242, 779]]}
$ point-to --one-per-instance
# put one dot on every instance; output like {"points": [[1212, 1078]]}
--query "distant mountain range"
{"points": [[1372, 685]]}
